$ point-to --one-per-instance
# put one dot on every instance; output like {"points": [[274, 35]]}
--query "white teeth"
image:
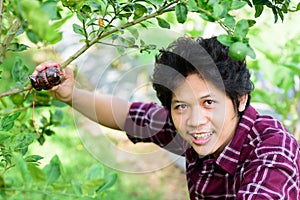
{"points": [[203, 135]]}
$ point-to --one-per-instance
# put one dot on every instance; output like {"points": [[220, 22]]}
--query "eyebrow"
{"points": [[177, 101], [180, 101], [206, 96]]}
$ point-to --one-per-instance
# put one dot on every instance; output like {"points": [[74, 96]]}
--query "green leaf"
{"points": [[114, 36], [43, 98], [91, 185], [209, 2], [241, 29], [110, 180], [229, 21], [20, 72], [134, 32], [14, 46], [295, 67], [218, 11], [33, 158], [251, 53], [258, 10], [17, 99], [36, 173], [121, 49], [163, 23], [73, 4], [85, 9], [251, 22], [60, 186], [52, 170], [261, 2], [56, 117], [96, 6], [225, 39], [33, 37], [50, 7], [48, 132], [280, 13], [157, 2], [139, 11], [78, 29], [130, 41], [22, 141], [22, 167], [7, 121], [95, 171], [4, 135], [275, 13], [192, 5], [92, 21], [181, 12], [238, 4], [207, 17]]}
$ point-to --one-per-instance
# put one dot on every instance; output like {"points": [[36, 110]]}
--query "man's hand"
{"points": [[63, 91]]}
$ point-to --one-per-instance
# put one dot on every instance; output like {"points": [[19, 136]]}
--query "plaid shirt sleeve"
{"points": [[149, 122], [273, 170]]}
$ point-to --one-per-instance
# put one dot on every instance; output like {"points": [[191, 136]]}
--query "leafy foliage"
{"points": [[280, 92], [50, 182]]}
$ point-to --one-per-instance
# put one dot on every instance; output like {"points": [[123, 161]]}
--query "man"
{"points": [[231, 151]]}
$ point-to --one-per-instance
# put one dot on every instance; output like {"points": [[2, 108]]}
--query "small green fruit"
{"points": [[238, 50]]}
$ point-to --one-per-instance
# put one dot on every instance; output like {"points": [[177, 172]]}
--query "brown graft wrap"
{"points": [[46, 79]]}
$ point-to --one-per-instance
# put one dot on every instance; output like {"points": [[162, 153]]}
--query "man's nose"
{"points": [[198, 117]]}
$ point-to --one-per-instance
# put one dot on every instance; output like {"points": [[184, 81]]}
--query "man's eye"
{"points": [[181, 107], [209, 102]]}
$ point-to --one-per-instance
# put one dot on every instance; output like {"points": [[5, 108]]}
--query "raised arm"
{"points": [[107, 110]]}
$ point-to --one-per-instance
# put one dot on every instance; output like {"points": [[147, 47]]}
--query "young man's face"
{"points": [[203, 115]]}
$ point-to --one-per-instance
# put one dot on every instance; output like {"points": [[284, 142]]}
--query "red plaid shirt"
{"points": [[262, 161]]}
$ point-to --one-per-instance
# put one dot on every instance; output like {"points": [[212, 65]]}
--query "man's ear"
{"points": [[242, 102]]}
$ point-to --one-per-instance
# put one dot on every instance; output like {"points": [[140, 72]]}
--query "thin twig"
{"points": [[15, 91], [10, 36], [15, 110], [1, 15]]}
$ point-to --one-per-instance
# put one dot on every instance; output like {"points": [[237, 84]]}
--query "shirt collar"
{"points": [[229, 157]]}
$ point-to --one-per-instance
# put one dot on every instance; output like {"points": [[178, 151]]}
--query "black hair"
{"points": [[206, 57]]}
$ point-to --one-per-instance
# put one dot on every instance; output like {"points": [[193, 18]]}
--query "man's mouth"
{"points": [[202, 135]]}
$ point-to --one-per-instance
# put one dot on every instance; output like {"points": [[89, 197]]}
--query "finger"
{"points": [[68, 71], [43, 66], [54, 88]]}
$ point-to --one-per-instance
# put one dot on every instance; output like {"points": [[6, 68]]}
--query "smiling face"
{"points": [[204, 115]]}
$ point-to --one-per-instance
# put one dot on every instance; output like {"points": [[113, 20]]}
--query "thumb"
{"points": [[68, 72]]}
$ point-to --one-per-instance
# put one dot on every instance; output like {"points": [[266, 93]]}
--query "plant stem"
{"points": [[1, 14], [14, 91], [16, 110], [10, 36], [166, 8]]}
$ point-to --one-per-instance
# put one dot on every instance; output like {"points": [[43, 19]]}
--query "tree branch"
{"points": [[1, 14], [102, 35], [10, 36], [107, 33], [14, 91]]}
